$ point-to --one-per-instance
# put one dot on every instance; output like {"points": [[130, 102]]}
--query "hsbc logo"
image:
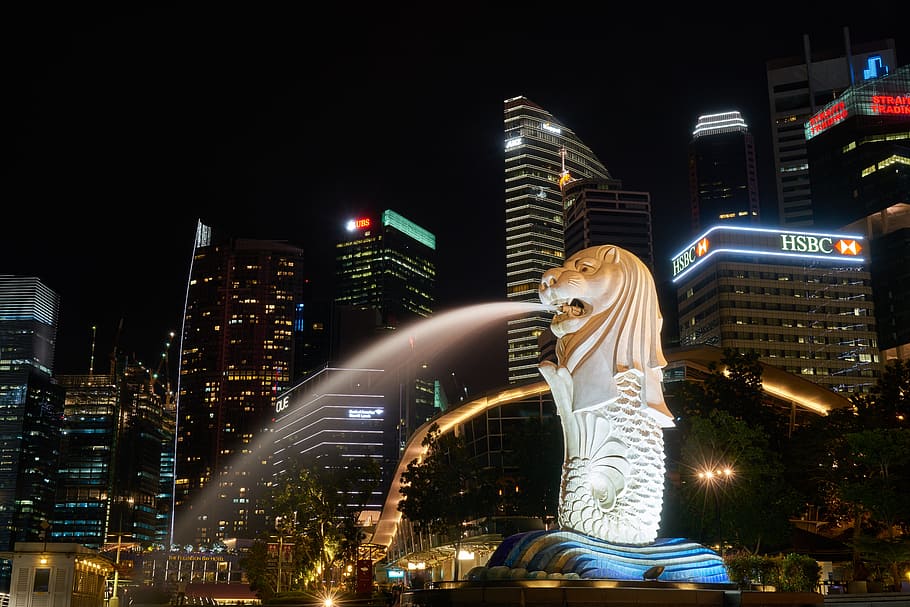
{"points": [[848, 247]]}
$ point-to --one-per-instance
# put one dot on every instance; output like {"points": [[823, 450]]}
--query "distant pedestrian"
{"points": [[181, 592]]}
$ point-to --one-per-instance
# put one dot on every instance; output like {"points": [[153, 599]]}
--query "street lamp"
{"points": [[711, 478]]}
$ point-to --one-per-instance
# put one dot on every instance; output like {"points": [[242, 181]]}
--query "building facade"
{"points": [[110, 471], [385, 278], [797, 87], [31, 406], [723, 174], [338, 416], [801, 300], [859, 160], [600, 212], [237, 350], [539, 150]]}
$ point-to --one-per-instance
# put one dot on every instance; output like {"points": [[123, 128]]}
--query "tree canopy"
{"points": [[315, 509]]}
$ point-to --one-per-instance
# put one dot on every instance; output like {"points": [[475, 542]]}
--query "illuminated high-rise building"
{"points": [[539, 151], [31, 406], [801, 300], [386, 279], [387, 265], [797, 87], [111, 458], [723, 176], [859, 160], [236, 356]]}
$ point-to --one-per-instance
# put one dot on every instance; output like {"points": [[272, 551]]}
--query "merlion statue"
{"points": [[606, 384], [607, 390]]}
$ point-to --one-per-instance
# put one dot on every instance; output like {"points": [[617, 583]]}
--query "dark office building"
{"points": [[859, 150], [797, 87], [859, 162], [337, 416], [237, 351], [31, 406], [111, 458], [386, 279], [723, 178], [599, 211], [312, 330]]}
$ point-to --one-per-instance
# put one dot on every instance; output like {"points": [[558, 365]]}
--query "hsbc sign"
{"points": [[689, 255], [741, 240]]}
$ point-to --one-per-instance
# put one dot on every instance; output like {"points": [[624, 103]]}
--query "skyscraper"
{"points": [[723, 178], [801, 300], [858, 147], [237, 350], [111, 457], [599, 212], [797, 87], [539, 150], [31, 406], [388, 264], [386, 273]]}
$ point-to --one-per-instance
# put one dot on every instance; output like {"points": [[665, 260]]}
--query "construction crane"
{"points": [[163, 364]]}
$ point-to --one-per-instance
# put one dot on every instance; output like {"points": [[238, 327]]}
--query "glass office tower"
{"points": [[538, 149], [31, 406]]}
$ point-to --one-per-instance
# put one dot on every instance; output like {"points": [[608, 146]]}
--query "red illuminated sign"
{"points": [[362, 223], [889, 104], [827, 118]]}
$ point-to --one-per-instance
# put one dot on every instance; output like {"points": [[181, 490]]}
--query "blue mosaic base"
{"points": [[568, 552]]}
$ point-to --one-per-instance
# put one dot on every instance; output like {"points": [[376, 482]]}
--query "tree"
{"points": [[316, 508], [880, 490], [725, 424], [733, 385], [260, 570], [887, 404], [853, 462], [445, 488], [750, 507]]}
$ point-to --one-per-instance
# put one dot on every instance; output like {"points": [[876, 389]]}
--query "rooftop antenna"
{"points": [[564, 176]]}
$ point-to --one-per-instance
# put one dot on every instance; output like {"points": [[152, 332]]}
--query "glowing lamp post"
{"points": [[711, 479]]}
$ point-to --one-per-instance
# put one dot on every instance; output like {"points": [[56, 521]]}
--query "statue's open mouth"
{"points": [[574, 309]]}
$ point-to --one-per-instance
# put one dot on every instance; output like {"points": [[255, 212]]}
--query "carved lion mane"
{"points": [[608, 322]]}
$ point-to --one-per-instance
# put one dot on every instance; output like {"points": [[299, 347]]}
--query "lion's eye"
{"points": [[584, 268]]}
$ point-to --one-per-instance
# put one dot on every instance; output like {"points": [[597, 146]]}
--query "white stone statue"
{"points": [[607, 390]]}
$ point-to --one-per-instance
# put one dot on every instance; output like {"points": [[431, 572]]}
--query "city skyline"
{"points": [[132, 126]]}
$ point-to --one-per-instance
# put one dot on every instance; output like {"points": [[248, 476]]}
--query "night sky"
{"points": [[123, 127]]}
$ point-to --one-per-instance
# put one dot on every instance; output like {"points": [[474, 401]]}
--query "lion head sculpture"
{"points": [[608, 322]]}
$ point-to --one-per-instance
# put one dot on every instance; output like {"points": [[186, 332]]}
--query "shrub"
{"points": [[790, 573]]}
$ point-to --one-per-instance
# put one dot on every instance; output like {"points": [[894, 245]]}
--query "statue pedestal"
{"points": [[557, 554], [600, 593]]}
